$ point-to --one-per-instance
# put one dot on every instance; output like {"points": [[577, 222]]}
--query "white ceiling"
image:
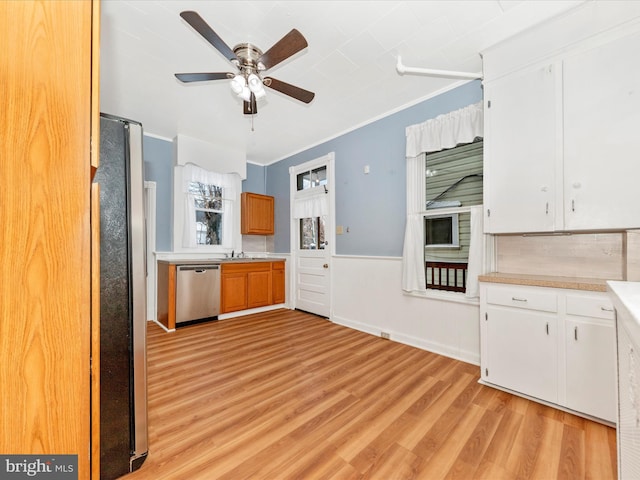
{"points": [[350, 63]]}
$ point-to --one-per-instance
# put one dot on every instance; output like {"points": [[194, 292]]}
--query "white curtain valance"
{"points": [[193, 173], [445, 131], [311, 206]]}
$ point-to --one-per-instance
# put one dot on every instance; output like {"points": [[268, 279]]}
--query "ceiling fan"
{"points": [[248, 82]]}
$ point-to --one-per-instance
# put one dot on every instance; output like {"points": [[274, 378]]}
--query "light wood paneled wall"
{"points": [[633, 255], [595, 255]]}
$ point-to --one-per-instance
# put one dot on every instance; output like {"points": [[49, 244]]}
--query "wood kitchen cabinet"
{"points": [[560, 137], [278, 282], [234, 288], [259, 291], [48, 261], [247, 285], [256, 216], [555, 345]]}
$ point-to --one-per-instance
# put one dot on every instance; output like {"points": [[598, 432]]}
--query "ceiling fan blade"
{"points": [[203, 28], [296, 92], [250, 107], [202, 77], [288, 45]]}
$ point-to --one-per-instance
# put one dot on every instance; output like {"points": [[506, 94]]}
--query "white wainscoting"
{"points": [[367, 297]]}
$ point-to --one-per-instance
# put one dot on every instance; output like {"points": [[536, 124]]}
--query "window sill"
{"points": [[454, 297]]}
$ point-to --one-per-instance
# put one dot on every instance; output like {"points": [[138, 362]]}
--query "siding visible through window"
{"points": [[453, 180]]}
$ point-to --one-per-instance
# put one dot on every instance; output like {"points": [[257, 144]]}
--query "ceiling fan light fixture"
{"points": [[238, 84], [245, 94], [254, 82], [255, 85]]}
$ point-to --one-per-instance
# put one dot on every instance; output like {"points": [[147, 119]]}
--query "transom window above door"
{"points": [[312, 178]]}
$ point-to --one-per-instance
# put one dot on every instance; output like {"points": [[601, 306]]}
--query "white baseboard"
{"points": [[434, 347]]}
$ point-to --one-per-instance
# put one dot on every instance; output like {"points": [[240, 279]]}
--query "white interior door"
{"points": [[313, 292], [312, 237]]}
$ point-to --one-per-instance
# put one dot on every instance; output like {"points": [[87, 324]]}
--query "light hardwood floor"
{"points": [[287, 395]]}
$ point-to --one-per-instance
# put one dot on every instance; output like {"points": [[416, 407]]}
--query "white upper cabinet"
{"points": [[520, 151], [601, 95], [560, 131]]}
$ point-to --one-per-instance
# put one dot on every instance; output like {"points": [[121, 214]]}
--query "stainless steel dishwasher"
{"points": [[197, 293]]}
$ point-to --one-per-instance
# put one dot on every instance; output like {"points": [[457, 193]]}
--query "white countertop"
{"points": [[626, 300]]}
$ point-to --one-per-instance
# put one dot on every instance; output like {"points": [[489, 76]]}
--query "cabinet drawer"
{"points": [[528, 298], [590, 306], [244, 267]]}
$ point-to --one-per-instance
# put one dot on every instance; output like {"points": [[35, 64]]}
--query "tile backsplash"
{"points": [[257, 243], [591, 255], [633, 255]]}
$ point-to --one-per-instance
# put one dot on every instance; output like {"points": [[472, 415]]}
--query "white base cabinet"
{"points": [[551, 344]]}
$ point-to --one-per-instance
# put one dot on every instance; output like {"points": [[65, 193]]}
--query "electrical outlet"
{"points": [[385, 335]]}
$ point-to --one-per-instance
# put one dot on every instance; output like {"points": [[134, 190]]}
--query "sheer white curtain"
{"points": [[444, 131], [230, 183], [476, 253]]}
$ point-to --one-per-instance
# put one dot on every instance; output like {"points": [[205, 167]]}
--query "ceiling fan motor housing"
{"points": [[248, 56]]}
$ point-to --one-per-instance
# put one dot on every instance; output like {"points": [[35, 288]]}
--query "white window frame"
{"points": [[232, 240], [420, 197]]}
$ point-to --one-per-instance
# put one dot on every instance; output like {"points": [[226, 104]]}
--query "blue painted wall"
{"points": [[372, 206], [256, 179], [158, 167]]}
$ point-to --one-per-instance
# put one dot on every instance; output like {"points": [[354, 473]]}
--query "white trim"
{"points": [[428, 345], [368, 257], [329, 161], [163, 327], [242, 313], [150, 247]]}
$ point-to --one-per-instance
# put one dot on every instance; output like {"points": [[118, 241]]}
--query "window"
{"points": [[207, 199], [312, 233], [441, 231], [453, 183], [312, 178], [206, 217]]}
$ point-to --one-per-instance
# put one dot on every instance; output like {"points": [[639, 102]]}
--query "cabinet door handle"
{"points": [[575, 333], [546, 210], [605, 309], [547, 328], [573, 205], [517, 299]]}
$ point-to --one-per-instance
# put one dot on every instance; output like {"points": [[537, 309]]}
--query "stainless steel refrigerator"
{"points": [[123, 391]]}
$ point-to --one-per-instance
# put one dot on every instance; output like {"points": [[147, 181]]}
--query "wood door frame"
{"points": [[330, 236]]}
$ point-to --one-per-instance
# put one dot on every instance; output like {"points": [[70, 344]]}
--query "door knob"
{"points": [[326, 265]]}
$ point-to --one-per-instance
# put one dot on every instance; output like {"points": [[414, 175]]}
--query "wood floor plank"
{"points": [[499, 449], [572, 459], [549, 455], [286, 395]]}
